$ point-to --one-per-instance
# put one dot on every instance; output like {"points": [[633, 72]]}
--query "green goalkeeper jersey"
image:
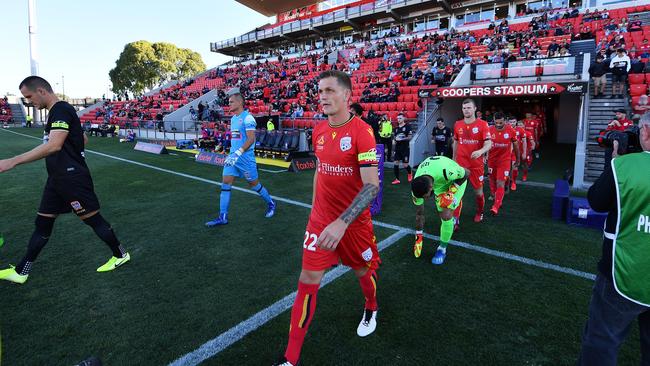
{"points": [[444, 172]]}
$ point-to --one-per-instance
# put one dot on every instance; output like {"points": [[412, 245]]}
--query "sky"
{"points": [[78, 41]]}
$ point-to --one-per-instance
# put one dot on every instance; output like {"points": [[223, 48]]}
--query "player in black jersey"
{"points": [[69, 186], [403, 135]]}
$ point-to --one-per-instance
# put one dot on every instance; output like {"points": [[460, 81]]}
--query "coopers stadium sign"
{"points": [[512, 90]]}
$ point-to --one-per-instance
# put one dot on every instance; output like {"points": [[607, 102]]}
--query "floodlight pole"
{"points": [[33, 52]]}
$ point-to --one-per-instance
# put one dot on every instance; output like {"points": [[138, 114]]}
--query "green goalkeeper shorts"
{"points": [[458, 196]]}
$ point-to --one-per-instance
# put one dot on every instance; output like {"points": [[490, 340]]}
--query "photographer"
{"points": [[621, 293]]}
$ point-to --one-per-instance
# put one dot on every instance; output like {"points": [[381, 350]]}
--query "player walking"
{"points": [[241, 161], [471, 142], [69, 185], [403, 135], [504, 141], [340, 226], [444, 178]]}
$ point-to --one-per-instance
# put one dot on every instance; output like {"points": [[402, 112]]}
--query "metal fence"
{"points": [[553, 66]]}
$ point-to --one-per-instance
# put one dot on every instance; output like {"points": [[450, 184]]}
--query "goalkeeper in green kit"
{"points": [[445, 180]]}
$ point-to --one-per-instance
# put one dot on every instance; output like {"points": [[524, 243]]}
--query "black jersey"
{"points": [[442, 135], [70, 159], [402, 134]]}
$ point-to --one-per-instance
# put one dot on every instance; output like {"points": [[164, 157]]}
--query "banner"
{"points": [[375, 206], [211, 158], [150, 148], [513, 90], [299, 13], [302, 164]]}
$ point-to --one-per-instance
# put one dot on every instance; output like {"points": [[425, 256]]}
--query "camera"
{"points": [[628, 140]]}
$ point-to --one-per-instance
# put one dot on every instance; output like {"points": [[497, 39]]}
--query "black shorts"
{"points": [[70, 193], [619, 78], [401, 152]]}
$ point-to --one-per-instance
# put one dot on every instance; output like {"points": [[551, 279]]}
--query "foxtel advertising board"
{"points": [[511, 90]]}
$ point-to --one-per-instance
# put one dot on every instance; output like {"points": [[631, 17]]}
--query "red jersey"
{"points": [[502, 140], [470, 137], [341, 152], [529, 143], [521, 137], [625, 123], [532, 126]]}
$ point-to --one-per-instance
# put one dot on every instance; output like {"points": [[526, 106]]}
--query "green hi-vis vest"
{"points": [[631, 242], [385, 129], [270, 126]]}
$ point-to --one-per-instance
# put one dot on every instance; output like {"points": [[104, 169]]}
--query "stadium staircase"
{"points": [[601, 112], [18, 113], [580, 48], [181, 120]]}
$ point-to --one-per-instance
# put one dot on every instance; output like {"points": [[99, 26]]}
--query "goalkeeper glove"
{"points": [[417, 247], [446, 199], [453, 188], [231, 160]]}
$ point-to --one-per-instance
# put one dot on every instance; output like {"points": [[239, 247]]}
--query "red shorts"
{"points": [[357, 249], [476, 176], [500, 172]]}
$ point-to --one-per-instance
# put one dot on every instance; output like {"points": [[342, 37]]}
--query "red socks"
{"points": [[498, 197], [369, 288], [480, 203], [301, 315]]}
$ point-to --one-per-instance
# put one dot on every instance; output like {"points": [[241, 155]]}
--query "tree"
{"points": [[143, 66]]}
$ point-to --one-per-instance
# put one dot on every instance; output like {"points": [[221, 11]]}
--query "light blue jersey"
{"points": [[245, 166], [239, 124]]}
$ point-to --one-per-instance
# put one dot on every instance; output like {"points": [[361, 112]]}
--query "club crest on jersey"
{"points": [[346, 143], [367, 255], [506, 135], [76, 205], [475, 130]]}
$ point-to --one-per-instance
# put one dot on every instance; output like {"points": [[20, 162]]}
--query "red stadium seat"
{"points": [[411, 114], [647, 78], [637, 89], [636, 78]]}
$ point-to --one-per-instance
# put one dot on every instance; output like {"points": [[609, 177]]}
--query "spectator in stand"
{"points": [[597, 72], [637, 66], [620, 66], [610, 27], [620, 123], [622, 27], [635, 25], [643, 105]]}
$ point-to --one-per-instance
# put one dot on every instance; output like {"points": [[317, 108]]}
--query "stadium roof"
{"points": [[274, 7]]}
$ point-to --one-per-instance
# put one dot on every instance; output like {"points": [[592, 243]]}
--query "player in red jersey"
{"points": [[504, 141], [522, 144], [471, 142], [340, 227], [527, 155], [531, 124]]}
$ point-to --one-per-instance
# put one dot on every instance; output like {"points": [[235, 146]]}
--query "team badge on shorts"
{"points": [[346, 143], [480, 178], [76, 205], [367, 255]]}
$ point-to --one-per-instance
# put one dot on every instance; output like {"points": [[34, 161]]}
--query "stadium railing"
{"points": [[553, 66]]}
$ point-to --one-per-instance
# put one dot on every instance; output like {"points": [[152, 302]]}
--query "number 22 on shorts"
{"points": [[310, 241]]}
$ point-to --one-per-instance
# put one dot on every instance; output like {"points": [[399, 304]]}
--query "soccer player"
{"points": [[241, 161], [340, 227], [504, 141], [522, 144], [69, 185], [403, 135], [471, 142], [447, 181], [532, 125], [441, 137], [527, 155]]}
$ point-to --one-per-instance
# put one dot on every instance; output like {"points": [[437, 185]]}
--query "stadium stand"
{"points": [[5, 111]]}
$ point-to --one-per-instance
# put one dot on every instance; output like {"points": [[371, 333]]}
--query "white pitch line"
{"points": [[496, 253], [272, 171], [214, 346]]}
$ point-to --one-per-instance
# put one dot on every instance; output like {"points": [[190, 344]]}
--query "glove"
{"points": [[453, 189], [446, 199], [231, 160]]}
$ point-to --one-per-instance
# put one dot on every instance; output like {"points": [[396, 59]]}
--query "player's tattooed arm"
{"points": [[360, 203], [419, 217]]}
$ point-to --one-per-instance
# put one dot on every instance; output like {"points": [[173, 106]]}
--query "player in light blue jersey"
{"points": [[241, 161]]}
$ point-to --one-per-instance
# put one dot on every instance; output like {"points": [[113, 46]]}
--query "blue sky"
{"points": [[81, 40]]}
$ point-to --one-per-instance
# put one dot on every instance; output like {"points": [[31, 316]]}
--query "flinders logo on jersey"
{"points": [[337, 170]]}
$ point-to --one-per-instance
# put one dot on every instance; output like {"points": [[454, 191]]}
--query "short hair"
{"points": [[420, 186], [468, 101], [498, 115], [35, 82], [440, 119], [342, 78], [357, 108]]}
